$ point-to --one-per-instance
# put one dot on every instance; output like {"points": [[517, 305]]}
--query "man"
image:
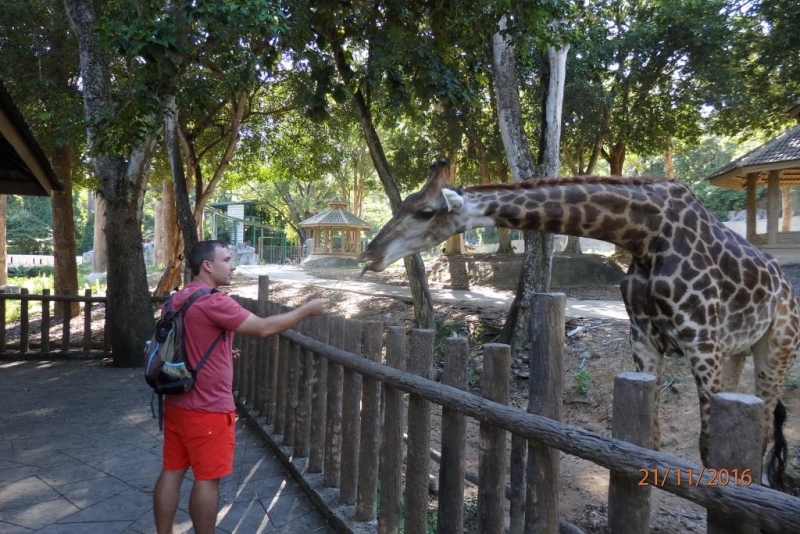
{"points": [[199, 425]]}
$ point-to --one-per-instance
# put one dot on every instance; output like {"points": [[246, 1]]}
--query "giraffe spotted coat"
{"points": [[694, 286]]}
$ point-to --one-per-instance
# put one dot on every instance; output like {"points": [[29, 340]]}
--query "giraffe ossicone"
{"points": [[693, 286]]}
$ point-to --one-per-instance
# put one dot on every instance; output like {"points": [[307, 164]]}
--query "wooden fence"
{"points": [[336, 415], [303, 390], [70, 344]]}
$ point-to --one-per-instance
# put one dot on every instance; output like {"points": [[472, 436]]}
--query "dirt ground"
{"points": [[593, 357]]}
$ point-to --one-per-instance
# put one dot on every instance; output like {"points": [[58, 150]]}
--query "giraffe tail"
{"points": [[777, 458]]}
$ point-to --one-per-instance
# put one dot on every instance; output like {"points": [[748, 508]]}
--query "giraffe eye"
{"points": [[425, 214]]}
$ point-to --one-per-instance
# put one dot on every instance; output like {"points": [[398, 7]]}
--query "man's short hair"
{"points": [[202, 251]]}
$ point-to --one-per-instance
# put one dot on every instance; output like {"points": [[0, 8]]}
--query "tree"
{"points": [[122, 176], [536, 267], [41, 62]]}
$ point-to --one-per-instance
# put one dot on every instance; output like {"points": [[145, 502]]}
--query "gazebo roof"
{"points": [[24, 167], [779, 154], [336, 216]]}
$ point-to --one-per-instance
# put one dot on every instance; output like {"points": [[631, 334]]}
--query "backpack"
{"points": [[167, 368]]}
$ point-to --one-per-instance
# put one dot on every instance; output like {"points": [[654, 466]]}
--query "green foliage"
{"points": [[581, 382], [792, 382], [31, 271], [27, 234]]}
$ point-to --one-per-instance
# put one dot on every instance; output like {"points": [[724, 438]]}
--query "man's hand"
{"points": [[315, 306]]}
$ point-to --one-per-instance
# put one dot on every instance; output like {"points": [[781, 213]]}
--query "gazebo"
{"points": [[24, 168], [775, 164], [335, 232]]}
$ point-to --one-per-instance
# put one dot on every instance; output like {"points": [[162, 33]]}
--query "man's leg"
{"points": [[204, 505], [165, 499]]}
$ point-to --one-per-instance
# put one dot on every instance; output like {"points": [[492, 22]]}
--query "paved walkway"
{"points": [[600, 309], [80, 451]]}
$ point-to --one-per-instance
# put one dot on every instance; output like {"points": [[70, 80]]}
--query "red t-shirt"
{"points": [[207, 317]]}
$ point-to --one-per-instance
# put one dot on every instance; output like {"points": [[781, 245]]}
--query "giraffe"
{"points": [[693, 285]]}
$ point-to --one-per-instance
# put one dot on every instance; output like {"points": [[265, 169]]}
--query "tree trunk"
{"points": [[415, 268], [455, 243], [537, 264], [3, 242], [669, 168], [170, 242], [616, 159], [786, 208], [129, 314], [186, 219], [573, 245], [99, 252], [66, 268]]}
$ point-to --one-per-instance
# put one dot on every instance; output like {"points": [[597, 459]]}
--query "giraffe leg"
{"points": [[771, 360], [649, 360], [707, 372], [732, 371]]}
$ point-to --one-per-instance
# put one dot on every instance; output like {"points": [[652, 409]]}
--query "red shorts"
{"points": [[204, 441]]}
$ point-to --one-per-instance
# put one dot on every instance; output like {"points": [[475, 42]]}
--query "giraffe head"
{"points": [[424, 219]]}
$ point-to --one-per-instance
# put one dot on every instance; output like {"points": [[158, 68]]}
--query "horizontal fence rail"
{"points": [[86, 342], [364, 449]]}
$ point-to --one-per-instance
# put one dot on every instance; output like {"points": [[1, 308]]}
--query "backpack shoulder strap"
{"points": [[194, 296]]}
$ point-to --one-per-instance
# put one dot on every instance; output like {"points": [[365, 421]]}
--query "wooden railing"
{"points": [[36, 339], [316, 392]]}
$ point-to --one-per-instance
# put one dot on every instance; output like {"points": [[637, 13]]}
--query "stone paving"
{"points": [[80, 452]]}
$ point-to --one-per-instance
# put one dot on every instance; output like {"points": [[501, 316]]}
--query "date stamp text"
{"points": [[695, 477]]}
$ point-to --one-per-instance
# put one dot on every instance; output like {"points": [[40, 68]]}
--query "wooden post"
{"points": [[319, 398], [45, 320], [24, 324], [252, 361], [351, 416], [734, 448], [391, 474], [291, 393], [240, 368], [303, 411], [3, 317], [634, 405], [367, 494], [516, 495], [281, 390], [454, 430], [544, 398], [419, 431], [87, 320], [333, 424], [751, 207], [773, 206], [492, 445], [274, 355], [262, 344]]}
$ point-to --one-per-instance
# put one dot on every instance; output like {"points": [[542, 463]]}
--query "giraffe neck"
{"points": [[624, 212]]}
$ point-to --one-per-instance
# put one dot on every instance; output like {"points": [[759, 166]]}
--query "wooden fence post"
{"points": [[45, 321], [351, 415], [735, 434], [66, 315], [87, 320], [24, 325], [492, 445], [261, 349], [544, 398], [274, 355], [634, 402], [319, 398], [419, 431], [3, 317], [302, 431], [282, 391], [252, 362], [292, 378], [239, 370], [391, 464], [454, 430], [333, 430], [367, 493]]}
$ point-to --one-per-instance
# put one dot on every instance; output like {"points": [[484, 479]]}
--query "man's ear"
{"points": [[454, 201]]}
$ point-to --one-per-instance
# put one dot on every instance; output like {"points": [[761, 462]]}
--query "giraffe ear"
{"points": [[453, 200]]}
